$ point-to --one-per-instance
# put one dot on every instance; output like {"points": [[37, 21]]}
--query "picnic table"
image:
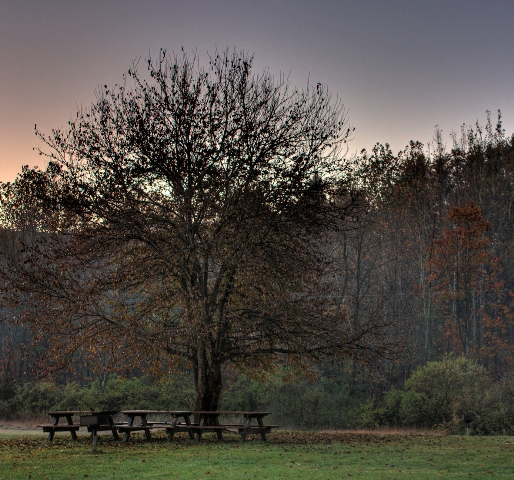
{"points": [[260, 428], [145, 425], [206, 421], [97, 421], [55, 426], [210, 421]]}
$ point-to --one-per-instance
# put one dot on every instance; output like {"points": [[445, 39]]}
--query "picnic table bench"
{"points": [[55, 426]]}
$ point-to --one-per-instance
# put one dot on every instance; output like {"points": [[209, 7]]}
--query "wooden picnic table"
{"points": [[97, 421], [55, 426], [207, 421], [249, 429], [210, 421], [171, 427]]}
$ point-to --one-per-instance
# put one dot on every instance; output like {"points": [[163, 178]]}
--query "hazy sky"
{"points": [[401, 67]]}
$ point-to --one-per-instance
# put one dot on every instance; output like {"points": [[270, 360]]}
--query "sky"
{"points": [[400, 67]]}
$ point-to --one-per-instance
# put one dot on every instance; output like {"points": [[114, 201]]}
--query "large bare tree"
{"points": [[183, 220]]}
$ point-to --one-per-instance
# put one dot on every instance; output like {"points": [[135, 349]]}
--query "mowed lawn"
{"points": [[287, 454]]}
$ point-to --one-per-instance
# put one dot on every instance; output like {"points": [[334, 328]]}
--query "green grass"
{"points": [[287, 455]]}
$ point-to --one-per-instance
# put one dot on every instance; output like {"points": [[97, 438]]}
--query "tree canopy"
{"points": [[183, 220]]}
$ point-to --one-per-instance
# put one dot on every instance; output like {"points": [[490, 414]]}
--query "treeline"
{"points": [[432, 245], [436, 248]]}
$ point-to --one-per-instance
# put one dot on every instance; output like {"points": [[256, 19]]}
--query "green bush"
{"points": [[450, 388], [34, 399], [437, 394], [498, 413], [177, 392], [299, 403], [74, 396]]}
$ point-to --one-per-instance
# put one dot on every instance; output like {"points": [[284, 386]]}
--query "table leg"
{"points": [[130, 422], [198, 436], [52, 431], [188, 422], [145, 422], [70, 422], [246, 424], [219, 433], [113, 428], [171, 431], [261, 426]]}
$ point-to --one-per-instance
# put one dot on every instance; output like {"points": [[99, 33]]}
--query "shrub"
{"points": [[300, 403], [437, 394], [448, 389], [34, 399], [498, 414]]}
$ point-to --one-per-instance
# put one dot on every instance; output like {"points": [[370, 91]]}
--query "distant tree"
{"points": [[468, 288], [183, 221]]}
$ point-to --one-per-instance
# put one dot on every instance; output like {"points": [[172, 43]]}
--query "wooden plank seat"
{"points": [[210, 421], [171, 429], [51, 429], [188, 428], [59, 428]]}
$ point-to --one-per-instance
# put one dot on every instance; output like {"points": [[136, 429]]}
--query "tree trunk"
{"points": [[208, 381]]}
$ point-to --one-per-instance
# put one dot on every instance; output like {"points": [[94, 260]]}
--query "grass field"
{"points": [[294, 455]]}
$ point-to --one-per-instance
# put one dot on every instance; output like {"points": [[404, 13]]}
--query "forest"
{"points": [[419, 292]]}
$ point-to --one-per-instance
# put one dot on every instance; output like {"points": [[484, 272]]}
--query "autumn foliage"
{"points": [[468, 289]]}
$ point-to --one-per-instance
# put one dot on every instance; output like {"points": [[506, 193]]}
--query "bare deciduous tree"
{"points": [[183, 220]]}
